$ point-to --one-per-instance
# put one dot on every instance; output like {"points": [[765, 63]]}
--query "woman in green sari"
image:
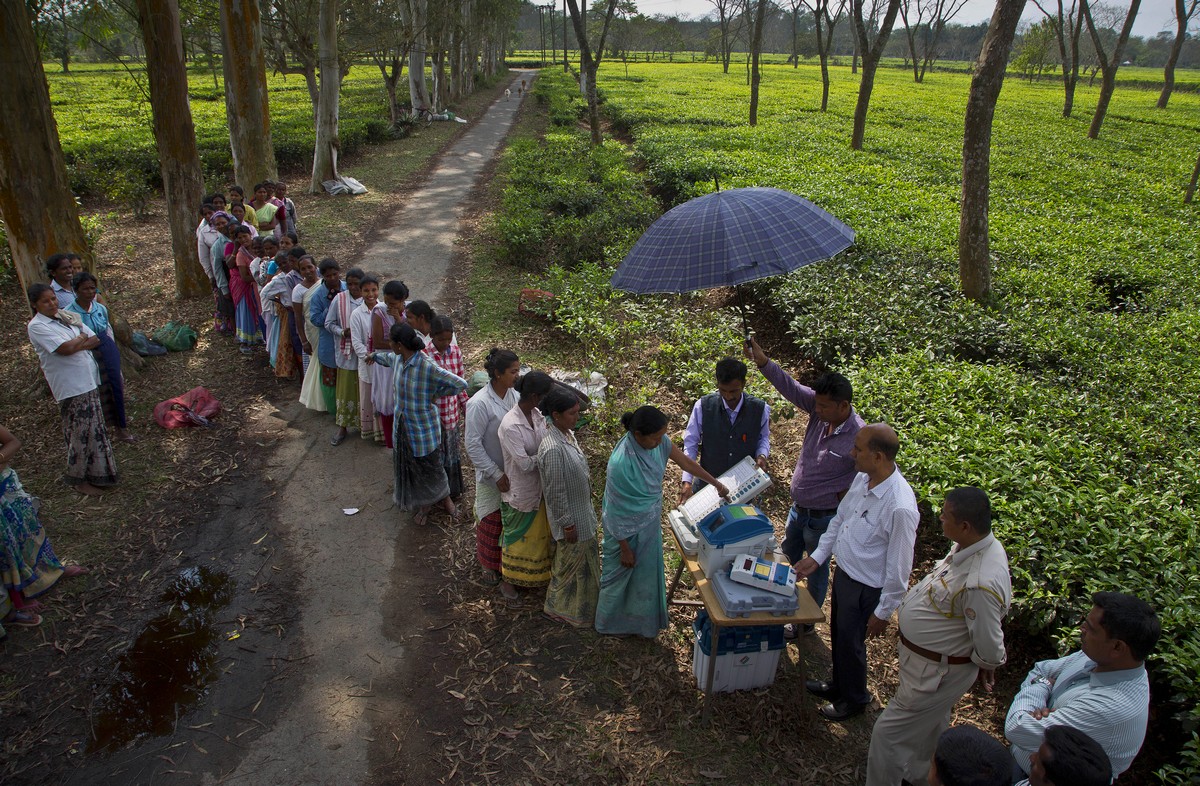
{"points": [[633, 593]]}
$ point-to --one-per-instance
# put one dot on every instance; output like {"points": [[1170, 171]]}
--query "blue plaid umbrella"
{"points": [[728, 238]]}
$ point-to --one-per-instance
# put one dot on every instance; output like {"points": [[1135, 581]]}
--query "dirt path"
{"points": [[338, 616], [355, 660]]}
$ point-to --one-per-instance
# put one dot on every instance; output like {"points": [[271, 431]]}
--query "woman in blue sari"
{"points": [[633, 593]]}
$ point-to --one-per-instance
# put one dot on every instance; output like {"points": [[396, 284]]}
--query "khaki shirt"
{"points": [[957, 608]]}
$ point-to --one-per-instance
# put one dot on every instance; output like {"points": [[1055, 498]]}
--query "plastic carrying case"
{"points": [[747, 657]]}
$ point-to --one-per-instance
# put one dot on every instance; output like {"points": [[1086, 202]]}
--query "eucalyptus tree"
{"points": [[727, 13], [760, 16], [39, 211], [247, 110], [328, 143], [1108, 62], [924, 30], [870, 47], [825, 23], [974, 256], [1184, 12], [1068, 27], [289, 32], [175, 137], [589, 57]]}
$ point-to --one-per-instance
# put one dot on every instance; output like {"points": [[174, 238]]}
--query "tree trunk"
{"points": [[39, 212], [1108, 82], [325, 155], [175, 136], [760, 13], [1181, 20], [871, 51], [1191, 189], [247, 111], [589, 63], [974, 263], [66, 42]]}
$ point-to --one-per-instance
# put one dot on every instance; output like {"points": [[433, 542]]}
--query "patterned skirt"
{"points": [[345, 411], [487, 541], [420, 481], [27, 562], [89, 453], [575, 583], [527, 550], [452, 462]]}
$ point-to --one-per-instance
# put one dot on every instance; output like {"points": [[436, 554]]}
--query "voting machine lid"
{"points": [[735, 524]]}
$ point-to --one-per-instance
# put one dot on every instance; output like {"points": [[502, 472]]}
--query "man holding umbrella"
{"points": [[825, 467]]}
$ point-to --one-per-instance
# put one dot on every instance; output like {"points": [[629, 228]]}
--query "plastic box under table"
{"points": [[746, 657]]}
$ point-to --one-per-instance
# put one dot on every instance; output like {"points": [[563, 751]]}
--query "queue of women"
{"points": [[389, 367]]}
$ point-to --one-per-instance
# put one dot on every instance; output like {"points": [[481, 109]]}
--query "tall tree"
{"points": [[871, 47], [589, 58], [39, 212], [175, 136], [247, 110], [1068, 26], [974, 262], [416, 12], [760, 15], [825, 24], [325, 154], [1183, 14], [289, 38], [924, 29], [1108, 64], [726, 10]]}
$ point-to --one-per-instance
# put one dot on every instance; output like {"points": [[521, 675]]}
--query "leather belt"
{"points": [[953, 660], [817, 513]]}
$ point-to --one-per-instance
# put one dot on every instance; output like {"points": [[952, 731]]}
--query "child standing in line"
{"points": [[451, 408]]}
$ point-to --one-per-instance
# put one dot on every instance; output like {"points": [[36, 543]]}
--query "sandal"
{"points": [[23, 619], [491, 578], [337, 439]]}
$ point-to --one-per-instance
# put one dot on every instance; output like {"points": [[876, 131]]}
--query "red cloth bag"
{"points": [[193, 408]]}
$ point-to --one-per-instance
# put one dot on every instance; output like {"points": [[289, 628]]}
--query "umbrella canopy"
{"points": [[728, 238]]}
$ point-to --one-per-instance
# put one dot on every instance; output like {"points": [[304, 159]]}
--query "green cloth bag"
{"points": [[176, 336]]}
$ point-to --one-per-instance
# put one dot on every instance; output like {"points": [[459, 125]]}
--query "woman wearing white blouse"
{"points": [[62, 346]]}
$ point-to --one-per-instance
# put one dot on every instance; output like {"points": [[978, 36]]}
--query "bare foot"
{"points": [[125, 435], [450, 508], [509, 591], [70, 571], [421, 517]]}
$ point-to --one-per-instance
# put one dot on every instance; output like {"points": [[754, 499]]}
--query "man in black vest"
{"points": [[726, 427]]}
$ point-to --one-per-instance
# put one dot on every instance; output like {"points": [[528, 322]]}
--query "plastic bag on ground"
{"points": [[176, 336], [144, 346]]}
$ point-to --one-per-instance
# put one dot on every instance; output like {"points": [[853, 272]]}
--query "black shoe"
{"points": [[841, 710], [821, 688]]}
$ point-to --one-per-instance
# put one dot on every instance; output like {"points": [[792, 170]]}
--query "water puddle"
{"points": [[168, 667]]}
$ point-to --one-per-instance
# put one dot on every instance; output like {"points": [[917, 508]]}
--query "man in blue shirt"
{"points": [[1101, 690]]}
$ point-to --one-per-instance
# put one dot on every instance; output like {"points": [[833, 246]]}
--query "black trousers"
{"points": [[852, 606]]}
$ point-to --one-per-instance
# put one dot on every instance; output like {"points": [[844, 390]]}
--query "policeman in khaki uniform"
{"points": [[950, 633]]}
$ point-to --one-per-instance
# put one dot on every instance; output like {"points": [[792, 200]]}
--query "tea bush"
{"points": [[1074, 397], [106, 126]]}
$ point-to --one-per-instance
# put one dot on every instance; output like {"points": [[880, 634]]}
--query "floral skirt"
{"points": [[89, 452], [345, 411], [27, 562]]}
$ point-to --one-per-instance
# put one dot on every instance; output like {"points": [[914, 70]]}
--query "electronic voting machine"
{"points": [[745, 483]]}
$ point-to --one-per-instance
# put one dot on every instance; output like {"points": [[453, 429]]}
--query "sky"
{"points": [[1153, 15]]}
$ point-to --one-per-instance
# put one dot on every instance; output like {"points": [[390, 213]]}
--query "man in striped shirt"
{"points": [[1101, 690]]}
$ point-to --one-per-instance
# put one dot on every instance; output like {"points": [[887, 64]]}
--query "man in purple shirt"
{"points": [[825, 467], [726, 427]]}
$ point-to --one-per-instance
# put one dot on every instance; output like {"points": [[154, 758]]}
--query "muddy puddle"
{"points": [[168, 667]]}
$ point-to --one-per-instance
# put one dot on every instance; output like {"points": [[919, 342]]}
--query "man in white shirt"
{"points": [[1102, 689], [872, 536]]}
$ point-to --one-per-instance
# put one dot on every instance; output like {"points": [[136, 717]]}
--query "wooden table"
{"points": [[806, 613]]}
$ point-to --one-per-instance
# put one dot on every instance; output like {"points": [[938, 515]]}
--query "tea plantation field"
{"points": [[106, 126], [1073, 399]]}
